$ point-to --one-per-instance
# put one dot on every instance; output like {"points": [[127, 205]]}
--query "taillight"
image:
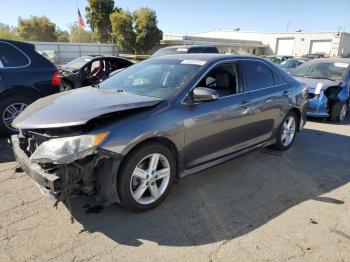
{"points": [[56, 79]]}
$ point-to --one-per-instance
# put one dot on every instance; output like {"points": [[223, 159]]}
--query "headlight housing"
{"points": [[67, 149]]}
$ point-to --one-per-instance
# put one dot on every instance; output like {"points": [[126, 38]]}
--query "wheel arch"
{"points": [[161, 140], [298, 114], [21, 90]]}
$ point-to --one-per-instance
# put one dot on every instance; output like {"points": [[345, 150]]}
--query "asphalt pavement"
{"points": [[263, 206]]}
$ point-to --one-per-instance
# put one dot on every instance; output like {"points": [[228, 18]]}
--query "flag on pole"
{"points": [[80, 20]]}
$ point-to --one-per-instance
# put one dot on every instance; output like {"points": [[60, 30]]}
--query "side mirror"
{"points": [[203, 94]]}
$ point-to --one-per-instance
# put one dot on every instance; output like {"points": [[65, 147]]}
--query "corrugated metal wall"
{"points": [[302, 40], [344, 47], [67, 51]]}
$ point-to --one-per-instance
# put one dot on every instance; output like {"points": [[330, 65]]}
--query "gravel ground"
{"points": [[262, 206]]}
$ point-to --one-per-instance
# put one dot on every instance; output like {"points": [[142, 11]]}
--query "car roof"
{"points": [[18, 43], [330, 60], [99, 56], [208, 57], [187, 46]]}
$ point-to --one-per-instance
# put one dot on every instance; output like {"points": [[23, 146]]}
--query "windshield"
{"points": [[170, 51], [322, 70], [155, 77], [77, 63], [284, 64], [275, 60]]}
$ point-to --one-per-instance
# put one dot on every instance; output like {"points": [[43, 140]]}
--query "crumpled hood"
{"points": [[76, 107], [313, 83]]}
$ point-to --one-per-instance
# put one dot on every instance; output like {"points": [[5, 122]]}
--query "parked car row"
{"points": [[26, 75]]}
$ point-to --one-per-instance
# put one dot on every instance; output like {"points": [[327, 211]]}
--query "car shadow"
{"points": [[231, 199], [6, 154]]}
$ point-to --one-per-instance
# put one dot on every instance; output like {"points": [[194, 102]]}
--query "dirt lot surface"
{"points": [[265, 205]]}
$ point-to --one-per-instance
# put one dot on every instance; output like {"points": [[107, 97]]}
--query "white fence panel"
{"points": [[65, 52]]}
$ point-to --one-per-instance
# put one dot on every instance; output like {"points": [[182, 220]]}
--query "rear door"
{"points": [[269, 96], [217, 128], [2, 84]]}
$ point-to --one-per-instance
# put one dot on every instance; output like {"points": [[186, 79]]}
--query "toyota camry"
{"points": [[128, 139]]}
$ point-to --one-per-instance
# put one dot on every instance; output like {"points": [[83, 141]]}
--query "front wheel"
{"points": [[146, 177], [338, 111], [286, 132]]}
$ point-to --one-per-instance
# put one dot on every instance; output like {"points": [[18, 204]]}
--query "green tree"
{"points": [[8, 32], [146, 28], [97, 15], [137, 32], [62, 36], [80, 35], [123, 31], [37, 29]]}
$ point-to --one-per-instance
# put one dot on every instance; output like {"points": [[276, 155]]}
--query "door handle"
{"points": [[244, 104], [285, 93], [268, 100]]}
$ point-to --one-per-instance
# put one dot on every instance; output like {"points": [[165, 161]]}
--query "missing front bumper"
{"points": [[50, 185], [97, 173]]}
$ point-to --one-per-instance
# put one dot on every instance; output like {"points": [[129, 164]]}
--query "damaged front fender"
{"points": [[92, 174], [320, 103]]}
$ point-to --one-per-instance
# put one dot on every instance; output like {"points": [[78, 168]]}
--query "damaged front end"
{"points": [[322, 99], [64, 165]]}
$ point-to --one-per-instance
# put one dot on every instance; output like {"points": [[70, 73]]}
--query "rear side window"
{"points": [[258, 75], [211, 50], [196, 50], [11, 56]]}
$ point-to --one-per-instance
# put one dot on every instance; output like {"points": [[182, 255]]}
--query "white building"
{"points": [[288, 43]]}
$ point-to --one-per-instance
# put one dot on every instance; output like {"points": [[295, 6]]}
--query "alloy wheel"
{"points": [[150, 179], [288, 131], [11, 112]]}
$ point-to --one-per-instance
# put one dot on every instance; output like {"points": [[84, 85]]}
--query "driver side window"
{"points": [[223, 79]]}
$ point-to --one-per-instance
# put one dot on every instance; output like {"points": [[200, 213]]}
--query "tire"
{"points": [[5, 105], [338, 112], [129, 181], [284, 143], [65, 86]]}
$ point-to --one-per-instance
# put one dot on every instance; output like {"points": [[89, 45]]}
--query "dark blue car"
{"points": [[328, 82]]}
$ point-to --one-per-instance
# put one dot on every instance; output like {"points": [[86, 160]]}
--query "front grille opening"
{"points": [[313, 96]]}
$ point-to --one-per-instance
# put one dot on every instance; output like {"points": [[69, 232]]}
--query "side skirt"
{"points": [[206, 165]]}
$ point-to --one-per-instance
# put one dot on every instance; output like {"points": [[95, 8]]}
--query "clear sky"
{"points": [[185, 16]]}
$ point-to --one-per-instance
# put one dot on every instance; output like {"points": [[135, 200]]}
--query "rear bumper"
{"points": [[49, 184]]}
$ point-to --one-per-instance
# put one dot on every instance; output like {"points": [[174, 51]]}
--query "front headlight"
{"points": [[68, 149]]}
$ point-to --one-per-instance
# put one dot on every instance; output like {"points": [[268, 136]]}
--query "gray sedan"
{"points": [[128, 139]]}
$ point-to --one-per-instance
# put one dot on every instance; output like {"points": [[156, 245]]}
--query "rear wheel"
{"points": [[146, 177], [65, 86], [287, 132], [338, 111], [10, 108]]}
